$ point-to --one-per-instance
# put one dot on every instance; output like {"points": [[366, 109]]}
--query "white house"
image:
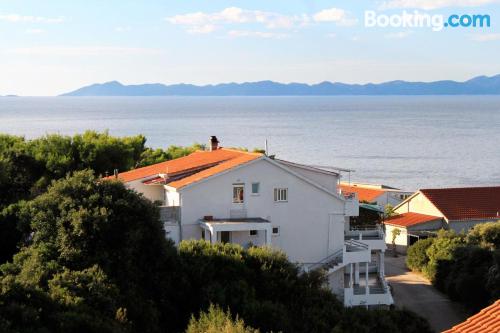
{"points": [[429, 210], [227, 195]]}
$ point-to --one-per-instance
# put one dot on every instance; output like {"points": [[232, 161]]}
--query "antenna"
{"points": [[265, 148]]}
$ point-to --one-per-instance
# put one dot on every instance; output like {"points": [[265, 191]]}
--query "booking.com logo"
{"points": [[416, 19]]}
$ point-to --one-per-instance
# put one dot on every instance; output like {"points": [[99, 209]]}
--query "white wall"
{"points": [[152, 192], [419, 204], [172, 197], [307, 232], [401, 240]]}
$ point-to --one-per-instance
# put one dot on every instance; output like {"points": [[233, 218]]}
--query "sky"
{"points": [[49, 47]]}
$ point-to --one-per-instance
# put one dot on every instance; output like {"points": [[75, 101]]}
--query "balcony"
{"points": [[372, 236], [372, 290], [169, 214]]}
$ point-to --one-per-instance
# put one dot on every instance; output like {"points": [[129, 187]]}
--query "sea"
{"points": [[408, 142]]}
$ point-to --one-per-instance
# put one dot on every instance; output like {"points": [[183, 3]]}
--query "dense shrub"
{"points": [[215, 320], [97, 247], [466, 268], [486, 235], [417, 258], [441, 250], [29, 166], [464, 277]]}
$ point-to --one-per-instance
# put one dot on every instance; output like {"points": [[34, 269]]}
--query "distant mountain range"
{"points": [[481, 85]]}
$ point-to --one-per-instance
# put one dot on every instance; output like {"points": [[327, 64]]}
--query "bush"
{"points": [[464, 278], [417, 258], [98, 247], [217, 321], [486, 235], [440, 250]]}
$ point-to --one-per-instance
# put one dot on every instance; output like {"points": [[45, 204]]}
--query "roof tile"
{"points": [[410, 219], [364, 194], [466, 203], [486, 321], [196, 166]]}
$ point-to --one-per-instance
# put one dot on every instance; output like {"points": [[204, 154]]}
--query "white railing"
{"points": [[328, 262]]}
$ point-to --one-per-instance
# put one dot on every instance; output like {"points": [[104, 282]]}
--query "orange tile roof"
{"points": [[196, 166], [466, 203], [364, 194], [486, 321], [410, 219]]}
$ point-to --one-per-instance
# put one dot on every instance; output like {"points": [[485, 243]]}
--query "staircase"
{"points": [[340, 258]]}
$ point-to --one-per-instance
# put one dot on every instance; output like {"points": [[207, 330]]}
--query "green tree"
{"points": [[486, 235], [217, 321], [389, 211], [416, 257], [98, 244], [395, 233]]}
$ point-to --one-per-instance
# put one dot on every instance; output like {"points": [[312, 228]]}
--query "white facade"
{"points": [[295, 208]]}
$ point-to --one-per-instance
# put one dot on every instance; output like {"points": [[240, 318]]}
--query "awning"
{"points": [[374, 208]]}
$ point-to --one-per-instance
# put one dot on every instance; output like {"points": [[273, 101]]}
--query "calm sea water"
{"points": [[408, 142]]}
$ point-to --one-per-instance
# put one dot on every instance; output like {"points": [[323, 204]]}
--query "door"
{"points": [[225, 237]]}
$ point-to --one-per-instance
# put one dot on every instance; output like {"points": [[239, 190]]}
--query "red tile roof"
{"points": [[466, 203], [364, 194], [191, 168], [486, 321], [410, 219]]}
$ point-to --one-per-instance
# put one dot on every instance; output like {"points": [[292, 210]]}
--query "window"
{"points": [[253, 232], [238, 193], [276, 231], [280, 194], [255, 188]]}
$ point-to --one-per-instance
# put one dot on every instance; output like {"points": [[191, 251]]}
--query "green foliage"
{"points": [[486, 235], [440, 250], [464, 277], [217, 321], [417, 258], [465, 267], [395, 233], [389, 210], [151, 156], [29, 166], [98, 247]]}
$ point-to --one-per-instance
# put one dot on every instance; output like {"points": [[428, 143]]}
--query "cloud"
{"points": [[485, 37], [34, 31], [16, 18], [81, 51], [200, 22], [434, 4], [202, 29], [398, 35], [337, 15], [258, 34]]}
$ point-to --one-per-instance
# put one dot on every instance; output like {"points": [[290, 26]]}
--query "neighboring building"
{"points": [[226, 195], [429, 210], [486, 321], [380, 195]]}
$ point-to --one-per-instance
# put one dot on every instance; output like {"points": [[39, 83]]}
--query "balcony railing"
{"points": [[169, 213]]}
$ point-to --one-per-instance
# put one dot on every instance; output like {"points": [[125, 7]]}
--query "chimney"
{"points": [[213, 144]]}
